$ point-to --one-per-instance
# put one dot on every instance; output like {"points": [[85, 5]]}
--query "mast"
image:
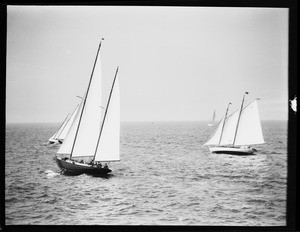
{"points": [[224, 123], [104, 117], [237, 125], [84, 100]]}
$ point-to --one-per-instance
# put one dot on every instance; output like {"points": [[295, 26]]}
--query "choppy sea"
{"points": [[165, 177]]}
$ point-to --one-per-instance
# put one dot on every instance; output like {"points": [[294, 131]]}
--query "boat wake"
{"points": [[51, 174]]}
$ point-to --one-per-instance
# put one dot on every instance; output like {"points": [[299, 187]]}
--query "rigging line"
{"points": [[251, 102], [237, 125], [84, 99], [224, 123], [64, 125], [104, 117], [243, 107], [68, 120], [55, 135]]}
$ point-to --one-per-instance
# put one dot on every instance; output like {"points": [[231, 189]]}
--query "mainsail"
{"points": [[109, 143], [248, 129], [84, 132]]}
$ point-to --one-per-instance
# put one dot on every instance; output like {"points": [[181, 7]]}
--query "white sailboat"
{"points": [[93, 138], [61, 133], [53, 139], [236, 132], [212, 121]]}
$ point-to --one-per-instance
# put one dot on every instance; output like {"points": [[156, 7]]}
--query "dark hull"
{"points": [[233, 153], [72, 167], [233, 150]]}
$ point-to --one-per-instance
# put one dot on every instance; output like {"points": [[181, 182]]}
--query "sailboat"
{"points": [[212, 121], [236, 132], [93, 139], [53, 139], [61, 133]]}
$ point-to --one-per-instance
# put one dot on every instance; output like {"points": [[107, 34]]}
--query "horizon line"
{"points": [[126, 121]]}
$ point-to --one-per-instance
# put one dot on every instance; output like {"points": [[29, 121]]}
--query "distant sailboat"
{"points": [[237, 131], [61, 133], [53, 139], [93, 139], [212, 121]]}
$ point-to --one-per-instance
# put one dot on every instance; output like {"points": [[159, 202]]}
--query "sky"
{"points": [[175, 63]]}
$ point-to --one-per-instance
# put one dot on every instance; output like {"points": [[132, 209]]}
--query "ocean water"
{"points": [[165, 177]]}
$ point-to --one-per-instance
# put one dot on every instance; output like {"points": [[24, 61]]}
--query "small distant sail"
{"points": [[212, 121]]}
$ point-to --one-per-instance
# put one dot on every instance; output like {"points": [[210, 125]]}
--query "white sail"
{"points": [[211, 123], [55, 136], [62, 135], [109, 143], [249, 129], [67, 145], [229, 129], [91, 120], [215, 138]]}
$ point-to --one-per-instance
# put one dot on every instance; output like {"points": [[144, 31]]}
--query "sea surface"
{"points": [[165, 177]]}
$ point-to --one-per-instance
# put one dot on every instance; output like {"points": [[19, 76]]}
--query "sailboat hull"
{"points": [[53, 141], [233, 150], [70, 166]]}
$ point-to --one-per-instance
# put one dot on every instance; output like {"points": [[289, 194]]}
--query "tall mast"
{"points": [[84, 100], [224, 123], [104, 117], [237, 125]]}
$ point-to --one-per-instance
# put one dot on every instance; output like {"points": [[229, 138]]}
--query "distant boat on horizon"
{"points": [[212, 121], [236, 132], [94, 139], [64, 128]]}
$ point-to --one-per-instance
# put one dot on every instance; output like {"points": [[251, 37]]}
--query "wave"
{"points": [[51, 174]]}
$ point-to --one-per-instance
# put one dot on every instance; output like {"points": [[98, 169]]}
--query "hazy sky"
{"points": [[176, 63]]}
